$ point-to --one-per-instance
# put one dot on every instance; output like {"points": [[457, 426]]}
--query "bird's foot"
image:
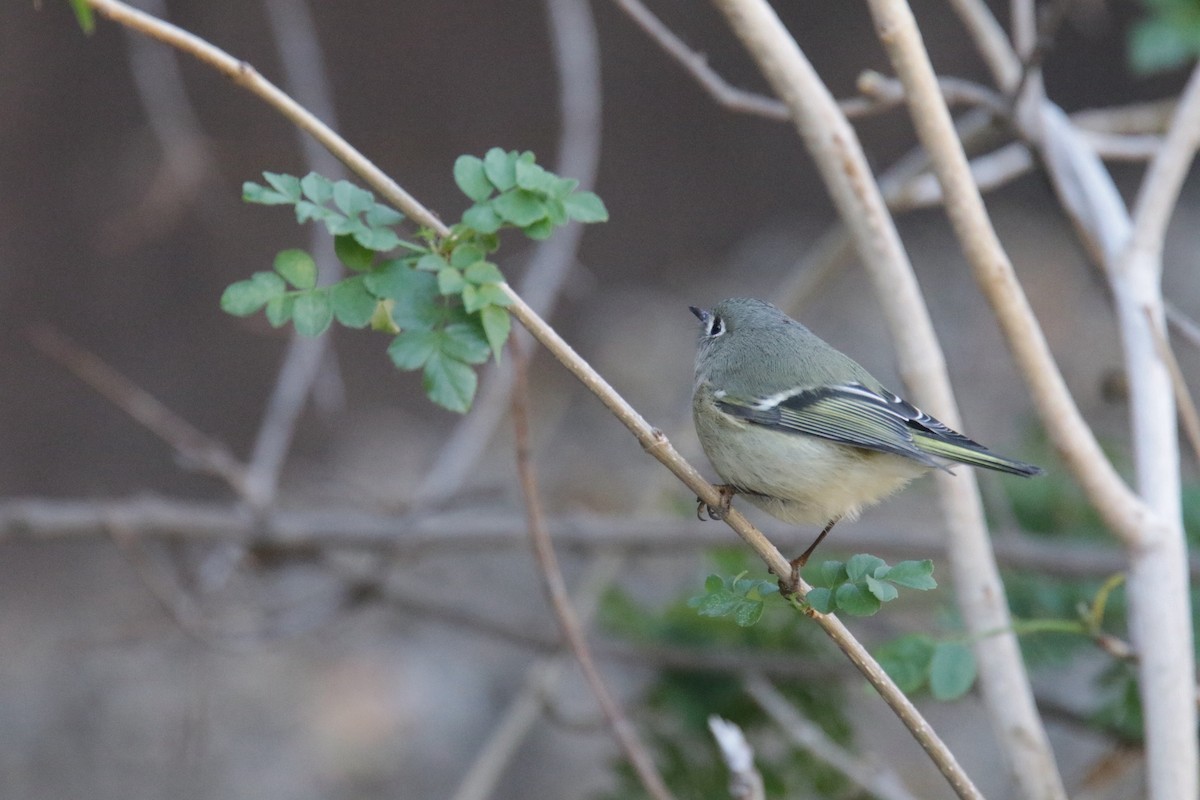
{"points": [[719, 511]]}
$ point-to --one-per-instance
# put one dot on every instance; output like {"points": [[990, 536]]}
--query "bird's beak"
{"points": [[701, 313]]}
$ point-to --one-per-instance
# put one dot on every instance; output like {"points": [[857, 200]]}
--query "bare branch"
{"points": [[483, 531], [807, 735], [1183, 324], [541, 679], [1188, 416], [304, 71], [195, 447], [726, 95], [560, 600], [1010, 703], [1151, 528]]}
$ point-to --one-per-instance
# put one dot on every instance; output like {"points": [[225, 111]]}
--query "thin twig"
{"points": [[1184, 325], [874, 778], [187, 161], [196, 448], [541, 679], [1188, 415], [304, 72], [560, 600], [726, 95]]}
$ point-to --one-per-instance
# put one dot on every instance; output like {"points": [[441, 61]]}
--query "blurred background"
{"points": [[150, 664]]}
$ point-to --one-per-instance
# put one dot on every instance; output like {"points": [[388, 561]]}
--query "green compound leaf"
{"points": [[471, 300], [84, 16], [411, 349], [353, 254], [906, 660], [748, 613], [463, 341], [483, 272], [496, 327], [821, 599], [279, 309], [534, 178], [465, 255], [483, 218], [472, 180], [450, 281], [351, 199], [856, 600], [246, 297], [862, 565], [500, 168], [717, 603], [414, 294], [381, 216], [883, 591], [380, 240], [493, 294], [520, 207], [952, 670], [912, 574], [286, 190], [832, 573], [317, 188], [431, 262], [539, 231], [1156, 45], [297, 268], [353, 305], [585, 207], [312, 313], [449, 383]]}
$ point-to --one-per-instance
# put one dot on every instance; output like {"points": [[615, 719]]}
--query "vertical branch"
{"points": [[304, 72], [560, 600], [1160, 618], [838, 155]]}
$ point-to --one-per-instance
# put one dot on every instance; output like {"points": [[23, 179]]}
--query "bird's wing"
{"points": [[854, 414], [848, 413]]}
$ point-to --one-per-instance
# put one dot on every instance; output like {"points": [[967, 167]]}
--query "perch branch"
{"points": [[651, 439]]}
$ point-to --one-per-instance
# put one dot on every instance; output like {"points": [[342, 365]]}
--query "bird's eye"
{"points": [[716, 326]]}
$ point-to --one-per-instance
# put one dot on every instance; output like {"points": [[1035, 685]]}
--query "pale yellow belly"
{"points": [[797, 478]]}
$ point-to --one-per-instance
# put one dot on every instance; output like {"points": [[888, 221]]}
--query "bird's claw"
{"points": [[719, 511]]}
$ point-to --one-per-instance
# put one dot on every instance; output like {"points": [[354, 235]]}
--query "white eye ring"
{"points": [[716, 327]]}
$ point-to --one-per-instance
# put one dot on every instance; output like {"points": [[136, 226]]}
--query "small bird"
{"points": [[801, 430]]}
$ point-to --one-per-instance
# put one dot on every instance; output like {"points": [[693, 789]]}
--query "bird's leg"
{"points": [[718, 511], [799, 562]]}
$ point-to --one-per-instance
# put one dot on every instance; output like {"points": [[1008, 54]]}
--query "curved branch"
{"points": [[651, 439]]}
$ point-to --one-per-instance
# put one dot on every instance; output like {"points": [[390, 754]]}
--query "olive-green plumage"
{"points": [[802, 430]]}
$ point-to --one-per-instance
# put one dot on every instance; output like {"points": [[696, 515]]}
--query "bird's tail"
{"points": [[965, 451]]}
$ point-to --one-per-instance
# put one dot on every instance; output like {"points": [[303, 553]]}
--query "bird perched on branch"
{"points": [[801, 430]]}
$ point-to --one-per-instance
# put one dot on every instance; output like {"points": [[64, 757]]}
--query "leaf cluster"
{"points": [[861, 585], [675, 705], [916, 662], [743, 598], [442, 299], [1168, 36], [511, 190]]}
